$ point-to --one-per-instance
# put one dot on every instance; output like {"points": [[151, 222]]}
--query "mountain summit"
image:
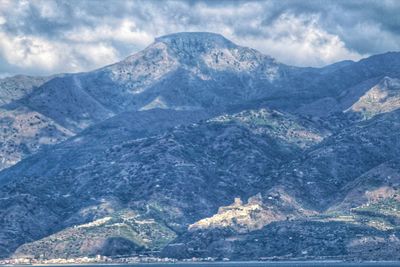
{"points": [[193, 40]]}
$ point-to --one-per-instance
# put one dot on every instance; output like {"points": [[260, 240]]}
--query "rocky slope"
{"points": [[122, 233], [187, 71], [382, 98], [344, 204], [14, 88], [179, 176], [147, 156], [190, 71]]}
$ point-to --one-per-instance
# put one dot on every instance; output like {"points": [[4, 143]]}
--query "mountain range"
{"points": [[198, 147]]}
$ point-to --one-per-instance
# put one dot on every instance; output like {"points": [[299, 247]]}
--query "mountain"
{"points": [[180, 72], [198, 147], [178, 177], [344, 188], [184, 71], [189, 71], [23, 130]]}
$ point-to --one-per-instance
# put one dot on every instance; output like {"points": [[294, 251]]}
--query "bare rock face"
{"points": [[255, 214], [382, 98], [198, 147]]}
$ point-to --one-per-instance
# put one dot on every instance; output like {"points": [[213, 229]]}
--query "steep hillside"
{"points": [[14, 88], [290, 240], [187, 71], [177, 177], [148, 154], [383, 97], [339, 200], [319, 175], [190, 71], [24, 132], [122, 233]]}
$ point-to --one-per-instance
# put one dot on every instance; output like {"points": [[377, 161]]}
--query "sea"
{"points": [[252, 264]]}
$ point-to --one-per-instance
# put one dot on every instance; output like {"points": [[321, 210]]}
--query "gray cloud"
{"points": [[44, 36]]}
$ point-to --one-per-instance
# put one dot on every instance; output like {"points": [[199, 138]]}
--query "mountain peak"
{"points": [[195, 39]]}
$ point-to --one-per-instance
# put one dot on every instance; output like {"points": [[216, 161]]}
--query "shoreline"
{"points": [[268, 262]]}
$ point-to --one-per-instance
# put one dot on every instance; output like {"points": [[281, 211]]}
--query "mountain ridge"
{"points": [[149, 153]]}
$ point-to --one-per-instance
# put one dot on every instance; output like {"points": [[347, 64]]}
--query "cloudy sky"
{"points": [[44, 37]]}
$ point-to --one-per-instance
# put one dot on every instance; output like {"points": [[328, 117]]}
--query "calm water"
{"points": [[259, 264]]}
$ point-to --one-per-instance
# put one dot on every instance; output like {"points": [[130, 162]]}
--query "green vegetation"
{"points": [[123, 232]]}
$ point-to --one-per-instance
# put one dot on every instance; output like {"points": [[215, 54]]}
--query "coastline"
{"points": [[257, 263]]}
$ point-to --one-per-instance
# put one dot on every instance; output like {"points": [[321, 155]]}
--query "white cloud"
{"points": [[123, 31], [35, 53], [5, 75], [28, 52], [95, 54], [45, 36], [49, 9], [299, 40]]}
